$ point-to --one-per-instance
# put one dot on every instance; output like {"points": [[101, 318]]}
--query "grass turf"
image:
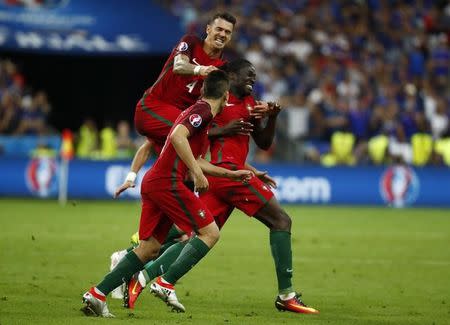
{"points": [[357, 265]]}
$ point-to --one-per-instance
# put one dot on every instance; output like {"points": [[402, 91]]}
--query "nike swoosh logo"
{"points": [[133, 291], [289, 270], [195, 61], [228, 105]]}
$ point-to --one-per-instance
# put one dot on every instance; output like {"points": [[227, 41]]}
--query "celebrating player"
{"points": [[177, 87], [229, 148], [166, 200]]}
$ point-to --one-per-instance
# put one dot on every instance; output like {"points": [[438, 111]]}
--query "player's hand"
{"points": [[200, 182], [264, 176], [206, 69], [242, 175], [126, 185], [274, 109], [237, 127], [260, 110]]}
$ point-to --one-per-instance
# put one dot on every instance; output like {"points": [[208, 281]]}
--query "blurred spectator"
{"points": [[33, 119], [9, 112], [125, 144], [375, 68], [87, 139], [108, 144]]}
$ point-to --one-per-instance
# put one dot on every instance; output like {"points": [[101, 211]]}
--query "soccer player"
{"points": [[166, 200], [177, 87], [229, 149]]}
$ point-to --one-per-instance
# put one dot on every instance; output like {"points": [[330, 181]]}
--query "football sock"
{"points": [[171, 239], [280, 244], [129, 265], [129, 249], [191, 254], [163, 262]]}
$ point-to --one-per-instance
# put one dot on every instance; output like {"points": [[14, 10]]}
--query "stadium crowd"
{"points": [[361, 82]]}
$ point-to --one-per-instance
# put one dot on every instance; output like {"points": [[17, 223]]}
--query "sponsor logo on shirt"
{"points": [[183, 47], [195, 120]]}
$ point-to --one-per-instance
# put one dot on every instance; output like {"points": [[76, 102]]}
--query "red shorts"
{"points": [[164, 205], [224, 195], [154, 119]]}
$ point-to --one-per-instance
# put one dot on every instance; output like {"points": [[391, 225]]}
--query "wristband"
{"points": [[197, 70], [131, 177]]}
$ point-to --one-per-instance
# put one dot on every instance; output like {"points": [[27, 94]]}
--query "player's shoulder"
{"points": [[191, 39]]}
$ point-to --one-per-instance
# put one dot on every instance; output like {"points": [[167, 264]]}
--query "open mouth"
{"points": [[219, 41], [249, 85]]}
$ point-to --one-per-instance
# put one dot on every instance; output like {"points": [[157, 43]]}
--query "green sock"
{"points": [[157, 267], [191, 254], [280, 244], [129, 265]]}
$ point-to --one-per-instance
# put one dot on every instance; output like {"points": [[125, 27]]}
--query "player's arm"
{"points": [[140, 158], [263, 135], [179, 139], [182, 65], [238, 126], [210, 169], [262, 175]]}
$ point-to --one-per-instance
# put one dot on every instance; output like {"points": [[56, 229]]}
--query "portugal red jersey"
{"points": [[169, 167], [182, 90], [232, 149]]}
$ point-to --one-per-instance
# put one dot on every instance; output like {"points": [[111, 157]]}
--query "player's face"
{"points": [[219, 33], [245, 79]]}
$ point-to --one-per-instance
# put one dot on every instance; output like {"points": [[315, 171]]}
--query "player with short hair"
{"points": [[229, 147], [166, 200], [178, 87]]}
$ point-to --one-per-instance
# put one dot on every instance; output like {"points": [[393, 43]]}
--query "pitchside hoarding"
{"points": [[394, 185]]}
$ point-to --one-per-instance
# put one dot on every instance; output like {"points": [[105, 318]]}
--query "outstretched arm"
{"points": [[262, 175], [182, 65], [140, 158], [237, 175]]}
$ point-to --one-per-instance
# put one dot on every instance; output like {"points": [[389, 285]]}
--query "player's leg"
{"points": [[256, 199], [152, 220], [279, 224], [154, 119], [176, 239], [171, 249], [189, 213]]}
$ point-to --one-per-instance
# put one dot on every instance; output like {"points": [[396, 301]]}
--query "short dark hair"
{"points": [[236, 65], [216, 84], [225, 16]]}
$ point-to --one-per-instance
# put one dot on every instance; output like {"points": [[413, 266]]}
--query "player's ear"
{"points": [[208, 29]]}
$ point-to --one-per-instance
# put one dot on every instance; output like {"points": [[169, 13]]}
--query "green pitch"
{"points": [[356, 265]]}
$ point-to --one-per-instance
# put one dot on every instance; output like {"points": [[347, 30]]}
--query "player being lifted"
{"points": [[229, 149], [166, 200]]}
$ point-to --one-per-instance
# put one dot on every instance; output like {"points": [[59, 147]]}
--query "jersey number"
{"points": [[191, 85]]}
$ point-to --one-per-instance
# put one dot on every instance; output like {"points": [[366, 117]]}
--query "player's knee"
{"points": [[210, 234], [282, 221], [147, 249]]}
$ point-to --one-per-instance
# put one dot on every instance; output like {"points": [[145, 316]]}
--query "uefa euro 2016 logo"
{"points": [[399, 186], [41, 176]]}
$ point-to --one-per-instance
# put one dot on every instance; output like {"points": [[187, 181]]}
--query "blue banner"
{"points": [[87, 27], [397, 186]]}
